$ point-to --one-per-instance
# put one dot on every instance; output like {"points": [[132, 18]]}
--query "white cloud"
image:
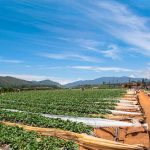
{"points": [[26, 76], [144, 73], [43, 67], [121, 22], [71, 57], [126, 25], [28, 66], [148, 64], [10, 61], [132, 76], [88, 43], [64, 39], [91, 68], [112, 52]]}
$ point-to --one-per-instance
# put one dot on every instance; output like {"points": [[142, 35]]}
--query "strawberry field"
{"points": [[62, 102], [19, 139], [55, 102]]}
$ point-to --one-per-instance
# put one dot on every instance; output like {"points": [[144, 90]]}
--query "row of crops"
{"points": [[19, 139], [62, 102], [40, 121]]}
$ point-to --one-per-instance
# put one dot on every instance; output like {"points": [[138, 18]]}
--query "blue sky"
{"points": [[69, 40]]}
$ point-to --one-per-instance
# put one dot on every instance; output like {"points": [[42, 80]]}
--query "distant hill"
{"points": [[15, 82], [111, 80], [47, 83], [19, 83]]}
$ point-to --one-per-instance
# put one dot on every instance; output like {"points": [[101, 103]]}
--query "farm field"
{"points": [[63, 102], [74, 75], [56, 102]]}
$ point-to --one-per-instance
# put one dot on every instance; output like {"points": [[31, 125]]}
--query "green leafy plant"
{"points": [[19, 139]]}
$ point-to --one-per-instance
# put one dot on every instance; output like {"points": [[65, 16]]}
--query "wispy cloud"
{"points": [[112, 52], [91, 32], [70, 56], [28, 66], [46, 67], [125, 25], [91, 68], [119, 21], [88, 44], [143, 73], [108, 50], [27, 76], [10, 61]]}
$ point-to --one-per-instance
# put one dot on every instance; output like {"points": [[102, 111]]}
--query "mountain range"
{"points": [[15, 82], [111, 80]]}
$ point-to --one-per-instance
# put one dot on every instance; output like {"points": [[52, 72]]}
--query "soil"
{"points": [[82, 148], [145, 104], [137, 136], [131, 135], [106, 133]]}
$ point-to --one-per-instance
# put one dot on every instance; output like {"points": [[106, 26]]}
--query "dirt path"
{"points": [[145, 104]]}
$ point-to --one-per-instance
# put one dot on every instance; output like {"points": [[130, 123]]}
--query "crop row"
{"points": [[18, 139], [66, 102], [40, 121]]}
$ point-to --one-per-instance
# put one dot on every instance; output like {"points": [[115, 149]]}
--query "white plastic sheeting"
{"points": [[133, 108], [131, 92], [130, 99], [128, 102], [94, 122], [118, 112], [128, 105]]}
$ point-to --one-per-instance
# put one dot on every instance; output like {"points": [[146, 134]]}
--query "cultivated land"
{"points": [[57, 102], [93, 119], [63, 102]]}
